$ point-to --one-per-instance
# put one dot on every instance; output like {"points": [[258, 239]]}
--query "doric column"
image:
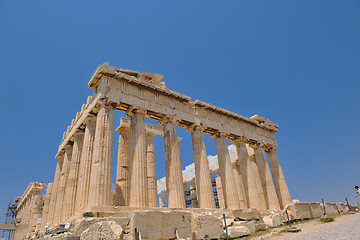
{"points": [[267, 183], [122, 171], [45, 212], [259, 187], [100, 181], [279, 178], [174, 179], [137, 160], [72, 181], [226, 173], [151, 170], [204, 189], [83, 187], [55, 190], [61, 188], [162, 200], [239, 184], [248, 178], [220, 193]]}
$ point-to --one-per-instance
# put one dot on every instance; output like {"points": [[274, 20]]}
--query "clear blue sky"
{"points": [[294, 62]]}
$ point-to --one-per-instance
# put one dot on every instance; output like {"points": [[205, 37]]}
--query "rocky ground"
{"points": [[345, 227]]}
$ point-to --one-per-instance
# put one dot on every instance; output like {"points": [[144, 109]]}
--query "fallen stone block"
{"points": [[238, 231], [207, 227], [298, 211], [259, 225], [316, 210], [273, 220], [81, 224], [249, 224], [331, 209], [342, 208], [247, 214], [155, 224], [108, 230]]}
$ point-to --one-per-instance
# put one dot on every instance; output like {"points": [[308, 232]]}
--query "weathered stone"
{"points": [[342, 207], [207, 227], [247, 214], [273, 220], [81, 224], [298, 211], [331, 209], [108, 230], [249, 224], [316, 210], [238, 231], [259, 225], [161, 224]]}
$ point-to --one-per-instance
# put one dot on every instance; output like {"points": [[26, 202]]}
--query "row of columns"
{"points": [[83, 173]]}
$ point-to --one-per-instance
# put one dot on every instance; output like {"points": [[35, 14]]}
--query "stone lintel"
{"points": [[74, 128], [149, 128], [32, 187]]}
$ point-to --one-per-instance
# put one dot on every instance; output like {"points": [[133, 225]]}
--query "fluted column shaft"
{"points": [[239, 184], [83, 187], [259, 187], [203, 182], [100, 181], [279, 179], [137, 161], [194, 195], [226, 173], [248, 178], [271, 198], [61, 189], [45, 212], [174, 179], [55, 190], [151, 171], [72, 181], [122, 171]]}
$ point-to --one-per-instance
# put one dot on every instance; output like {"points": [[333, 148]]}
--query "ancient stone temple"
{"points": [[253, 179]]}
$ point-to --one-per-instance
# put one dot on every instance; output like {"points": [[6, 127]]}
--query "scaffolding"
{"points": [[9, 216]]}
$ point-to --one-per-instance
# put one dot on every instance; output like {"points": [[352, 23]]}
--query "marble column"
{"points": [[58, 216], [138, 195], [220, 193], [122, 171], [259, 187], [55, 190], [203, 182], [240, 185], [247, 174], [72, 181], [174, 179], [151, 170], [83, 187], [101, 170], [267, 183], [45, 212], [279, 179], [226, 173]]}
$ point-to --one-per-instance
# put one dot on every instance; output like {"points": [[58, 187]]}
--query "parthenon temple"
{"points": [[244, 175]]}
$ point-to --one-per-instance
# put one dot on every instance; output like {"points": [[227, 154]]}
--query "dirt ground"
{"points": [[345, 227]]}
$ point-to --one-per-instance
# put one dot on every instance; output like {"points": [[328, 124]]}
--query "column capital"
{"points": [[239, 139], [132, 110], [79, 133], [103, 102], [218, 134], [167, 119], [254, 144], [194, 127], [269, 148], [124, 125]]}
